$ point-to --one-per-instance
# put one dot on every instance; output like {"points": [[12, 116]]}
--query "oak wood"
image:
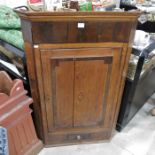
{"points": [[77, 74], [63, 100], [90, 99]]}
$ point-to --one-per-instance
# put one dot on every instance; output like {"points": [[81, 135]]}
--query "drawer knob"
{"points": [[78, 137]]}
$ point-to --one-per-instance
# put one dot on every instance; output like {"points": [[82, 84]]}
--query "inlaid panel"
{"points": [[74, 97]]}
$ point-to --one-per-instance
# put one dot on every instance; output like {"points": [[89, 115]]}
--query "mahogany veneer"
{"points": [[77, 64]]}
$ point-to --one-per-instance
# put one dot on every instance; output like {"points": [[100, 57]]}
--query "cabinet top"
{"points": [[74, 16]]}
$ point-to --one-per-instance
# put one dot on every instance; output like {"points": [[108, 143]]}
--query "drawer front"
{"points": [[78, 137], [80, 31]]}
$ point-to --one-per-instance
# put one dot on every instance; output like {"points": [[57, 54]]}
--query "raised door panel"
{"points": [[63, 78], [91, 81], [79, 91], [58, 85]]}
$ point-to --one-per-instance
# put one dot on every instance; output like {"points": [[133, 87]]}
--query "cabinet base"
{"points": [[35, 149]]}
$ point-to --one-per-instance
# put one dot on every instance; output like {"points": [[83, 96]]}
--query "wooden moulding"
{"points": [[58, 27], [71, 16], [15, 116]]}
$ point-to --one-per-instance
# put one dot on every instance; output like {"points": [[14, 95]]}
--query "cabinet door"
{"points": [[79, 88]]}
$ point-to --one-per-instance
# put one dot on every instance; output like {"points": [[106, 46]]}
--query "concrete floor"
{"points": [[138, 138]]}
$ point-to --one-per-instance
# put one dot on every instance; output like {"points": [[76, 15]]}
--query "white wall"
{"points": [[2, 2], [13, 3], [117, 3]]}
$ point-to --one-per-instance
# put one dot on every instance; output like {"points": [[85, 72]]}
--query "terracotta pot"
{"points": [[15, 116]]}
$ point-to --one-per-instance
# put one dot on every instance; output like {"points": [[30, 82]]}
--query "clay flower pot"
{"points": [[15, 116]]}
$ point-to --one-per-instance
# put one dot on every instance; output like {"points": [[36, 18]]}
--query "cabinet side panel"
{"points": [[90, 83], [31, 66], [63, 77]]}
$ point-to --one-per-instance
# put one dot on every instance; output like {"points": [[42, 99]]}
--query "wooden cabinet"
{"points": [[77, 85], [76, 73]]}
